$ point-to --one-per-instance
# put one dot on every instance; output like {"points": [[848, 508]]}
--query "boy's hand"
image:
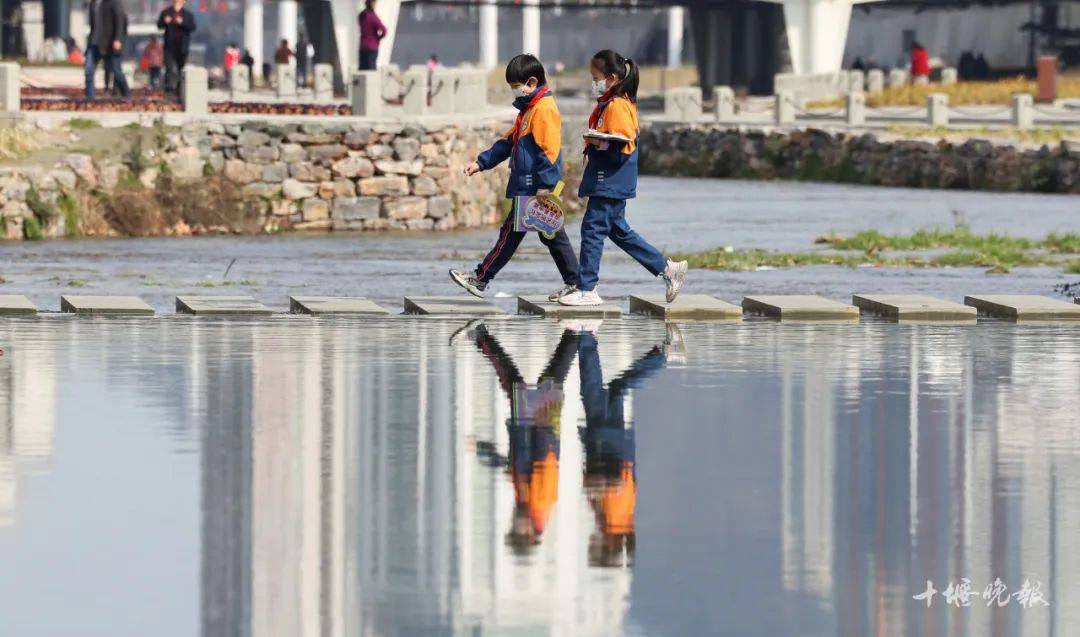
{"points": [[543, 194], [472, 169]]}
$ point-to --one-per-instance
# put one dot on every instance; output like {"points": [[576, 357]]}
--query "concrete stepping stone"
{"points": [[220, 305], [105, 305], [16, 304], [333, 305], [1024, 307], [455, 305], [687, 306], [800, 307], [913, 307], [541, 306]]}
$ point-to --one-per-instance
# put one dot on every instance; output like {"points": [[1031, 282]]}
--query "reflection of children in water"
{"points": [[610, 479], [533, 429]]}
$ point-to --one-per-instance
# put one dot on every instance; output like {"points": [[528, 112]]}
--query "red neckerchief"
{"points": [[601, 104], [516, 132]]}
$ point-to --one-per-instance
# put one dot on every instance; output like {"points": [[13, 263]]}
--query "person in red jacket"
{"points": [[920, 61]]}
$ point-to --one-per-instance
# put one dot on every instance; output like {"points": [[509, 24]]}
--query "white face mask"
{"points": [[599, 87], [525, 90]]}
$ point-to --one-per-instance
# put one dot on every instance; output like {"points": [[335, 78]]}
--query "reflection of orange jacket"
{"points": [[541, 491], [616, 504]]}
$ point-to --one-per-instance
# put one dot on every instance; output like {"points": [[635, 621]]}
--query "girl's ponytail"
{"points": [[625, 70]]}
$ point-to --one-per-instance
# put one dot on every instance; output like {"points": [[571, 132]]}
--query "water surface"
{"points": [[405, 476]]}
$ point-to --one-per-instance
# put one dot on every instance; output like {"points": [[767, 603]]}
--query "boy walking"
{"points": [[534, 148]]}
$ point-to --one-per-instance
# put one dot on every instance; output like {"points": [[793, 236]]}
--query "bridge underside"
{"points": [[741, 44]]}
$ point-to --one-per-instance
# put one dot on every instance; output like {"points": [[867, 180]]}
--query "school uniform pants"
{"points": [[509, 240], [606, 218]]}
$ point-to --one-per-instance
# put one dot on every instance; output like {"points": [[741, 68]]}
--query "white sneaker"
{"points": [[579, 298], [674, 277], [561, 292], [582, 325]]}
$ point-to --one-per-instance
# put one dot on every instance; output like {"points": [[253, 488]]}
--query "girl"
{"points": [[611, 178]]}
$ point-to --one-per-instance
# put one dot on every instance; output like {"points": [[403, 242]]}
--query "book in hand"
{"points": [[605, 137], [540, 215]]}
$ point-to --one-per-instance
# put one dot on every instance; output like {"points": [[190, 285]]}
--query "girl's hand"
{"points": [[472, 169]]}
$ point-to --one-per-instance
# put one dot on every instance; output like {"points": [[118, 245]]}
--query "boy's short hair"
{"points": [[522, 67]]}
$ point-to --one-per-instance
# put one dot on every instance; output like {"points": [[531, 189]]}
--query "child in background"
{"points": [[533, 147], [610, 179]]}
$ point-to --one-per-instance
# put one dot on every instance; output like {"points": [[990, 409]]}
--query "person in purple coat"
{"points": [[372, 31]]}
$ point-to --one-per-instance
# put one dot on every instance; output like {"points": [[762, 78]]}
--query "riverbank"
{"points": [[252, 177], [866, 158]]}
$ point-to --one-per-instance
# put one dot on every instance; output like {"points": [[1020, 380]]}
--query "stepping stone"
{"points": [[14, 304], [913, 307], [800, 307], [542, 306], [105, 305], [333, 305], [459, 305], [687, 306], [1023, 307], [220, 305]]}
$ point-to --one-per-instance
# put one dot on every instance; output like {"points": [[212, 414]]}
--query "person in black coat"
{"points": [[178, 24], [108, 29]]}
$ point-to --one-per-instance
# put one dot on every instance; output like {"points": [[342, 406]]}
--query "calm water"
{"points": [[401, 476], [675, 214]]}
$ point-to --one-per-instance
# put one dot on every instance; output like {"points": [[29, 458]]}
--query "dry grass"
{"points": [[211, 204], [998, 92], [15, 142]]}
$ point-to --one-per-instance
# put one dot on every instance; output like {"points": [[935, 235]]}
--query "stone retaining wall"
{"points": [[303, 176], [818, 155]]}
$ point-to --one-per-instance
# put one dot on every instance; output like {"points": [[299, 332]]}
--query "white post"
{"points": [[856, 109], [875, 81], [194, 90], [1023, 112], [416, 91], [287, 17], [10, 93], [239, 81], [817, 31], [253, 34], [324, 82], [937, 110], [530, 28], [365, 95], [785, 108], [948, 76], [78, 26], [443, 87], [725, 103], [489, 35], [897, 77], [675, 37]]}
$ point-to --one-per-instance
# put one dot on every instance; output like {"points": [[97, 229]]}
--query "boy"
{"points": [[533, 147]]}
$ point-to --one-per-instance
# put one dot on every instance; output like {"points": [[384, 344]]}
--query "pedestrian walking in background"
{"points": [[178, 24], [920, 61], [283, 53], [249, 61], [108, 30], [231, 59], [372, 31], [153, 58]]}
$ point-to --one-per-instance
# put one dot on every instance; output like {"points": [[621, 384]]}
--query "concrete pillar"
{"points": [[10, 99], [470, 94], [937, 110], [285, 80], [1023, 111], [948, 76], [530, 27], [78, 26], [683, 104], [817, 31], [253, 33], [725, 103], [921, 80], [875, 81], [489, 35], [388, 11], [128, 67], [324, 82], [195, 90], [856, 108], [443, 90], [365, 94], [416, 91], [287, 22], [675, 18], [856, 82], [897, 77], [33, 28], [784, 111], [239, 81]]}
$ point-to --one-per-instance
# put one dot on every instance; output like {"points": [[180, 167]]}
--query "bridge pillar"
{"points": [[253, 34], [530, 27], [489, 35], [675, 37], [288, 11]]}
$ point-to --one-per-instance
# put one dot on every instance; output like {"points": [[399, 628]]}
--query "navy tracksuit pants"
{"points": [[606, 218], [559, 246]]}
